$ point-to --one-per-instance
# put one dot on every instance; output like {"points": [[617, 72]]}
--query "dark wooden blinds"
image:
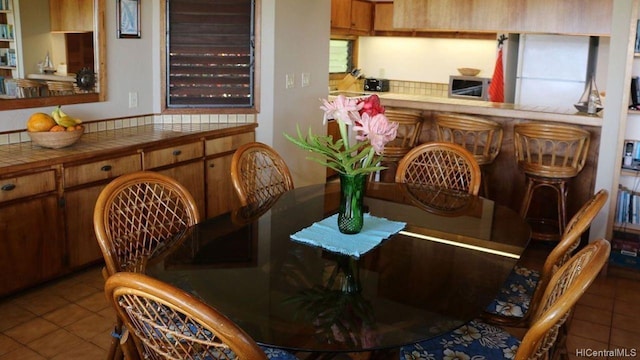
{"points": [[210, 53]]}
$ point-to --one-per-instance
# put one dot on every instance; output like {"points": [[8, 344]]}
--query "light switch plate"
{"points": [[305, 79], [290, 81]]}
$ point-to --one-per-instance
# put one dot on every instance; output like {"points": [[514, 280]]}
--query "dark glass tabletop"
{"points": [[440, 271]]}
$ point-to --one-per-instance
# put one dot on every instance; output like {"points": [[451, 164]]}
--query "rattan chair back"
{"points": [[443, 165], [568, 243], [57, 88], [259, 173], [565, 288], [482, 137], [170, 323], [550, 150], [409, 128], [138, 215], [26, 88]]}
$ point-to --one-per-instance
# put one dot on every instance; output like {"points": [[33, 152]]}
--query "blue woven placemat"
{"points": [[325, 234]]}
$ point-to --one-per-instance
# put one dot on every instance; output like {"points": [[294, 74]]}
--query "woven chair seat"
{"points": [[409, 127], [516, 293]]}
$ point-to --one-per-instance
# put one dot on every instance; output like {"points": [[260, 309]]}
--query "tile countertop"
{"points": [[486, 108], [25, 155]]}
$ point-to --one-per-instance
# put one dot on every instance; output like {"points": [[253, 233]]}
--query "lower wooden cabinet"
{"points": [[46, 215], [83, 182], [32, 244]]}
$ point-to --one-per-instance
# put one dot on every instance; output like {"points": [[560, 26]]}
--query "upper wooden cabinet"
{"points": [[383, 18], [71, 15], [580, 17], [351, 16]]}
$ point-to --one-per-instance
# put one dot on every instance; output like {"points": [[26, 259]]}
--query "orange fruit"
{"points": [[40, 122], [57, 128], [71, 128]]}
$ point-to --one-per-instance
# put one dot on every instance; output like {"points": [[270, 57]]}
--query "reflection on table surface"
{"points": [[298, 297]]}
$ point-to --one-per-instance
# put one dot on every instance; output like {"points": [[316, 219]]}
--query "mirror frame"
{"points": [[99, 36]]}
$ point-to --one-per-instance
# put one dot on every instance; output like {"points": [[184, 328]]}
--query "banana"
{"points": [[62, 119], [67, 121]]}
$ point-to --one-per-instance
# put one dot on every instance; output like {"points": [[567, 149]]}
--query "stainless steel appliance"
{"points": [[376, 85], [469, 87]]}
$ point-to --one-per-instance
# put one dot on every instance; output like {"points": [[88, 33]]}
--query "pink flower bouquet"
{"points": [[373, 131]]}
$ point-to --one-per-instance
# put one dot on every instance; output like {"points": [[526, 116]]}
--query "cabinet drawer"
{"points": [[27, 185], [172, 155], [101, 170], [227, 143]]}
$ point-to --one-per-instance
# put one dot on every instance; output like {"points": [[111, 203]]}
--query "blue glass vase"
{"points": [[351, 215]]}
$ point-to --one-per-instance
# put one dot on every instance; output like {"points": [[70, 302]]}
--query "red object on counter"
{"points": [[496, 88]]}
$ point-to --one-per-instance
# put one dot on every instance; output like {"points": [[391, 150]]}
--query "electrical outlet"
{"points": [[133, 99], [305, 79], [290, 81]]}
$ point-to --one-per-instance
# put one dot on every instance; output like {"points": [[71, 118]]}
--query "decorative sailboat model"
{"points": [[590, 101]]}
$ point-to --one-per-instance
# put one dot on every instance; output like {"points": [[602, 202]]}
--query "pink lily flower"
{"points": [[378, 129], [343, 109]]}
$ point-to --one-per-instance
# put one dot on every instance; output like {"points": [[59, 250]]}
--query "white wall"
{"points": [[424, 59], [299, 44]]}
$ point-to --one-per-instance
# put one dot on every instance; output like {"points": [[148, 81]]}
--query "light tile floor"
{"points": [[70, 319]]}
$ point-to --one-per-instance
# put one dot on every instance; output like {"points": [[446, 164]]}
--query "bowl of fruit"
{"points": [[54, 131]]}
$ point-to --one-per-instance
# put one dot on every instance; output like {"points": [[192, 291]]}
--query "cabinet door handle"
{"points": [[177, 152], [106, 168], [8, 187], [212, 165]]}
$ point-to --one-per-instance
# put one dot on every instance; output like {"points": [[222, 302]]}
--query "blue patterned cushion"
{"points": [[277, 354], [475, 340], [516, 293]]}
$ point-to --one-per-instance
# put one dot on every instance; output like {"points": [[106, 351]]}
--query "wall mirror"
{"points": [[50, 47]]}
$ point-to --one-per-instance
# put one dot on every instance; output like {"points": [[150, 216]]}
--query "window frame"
{"points": [[164, 42], [339, 76]]}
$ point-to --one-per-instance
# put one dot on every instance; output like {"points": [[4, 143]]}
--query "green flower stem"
{"points": [[343, 133]]}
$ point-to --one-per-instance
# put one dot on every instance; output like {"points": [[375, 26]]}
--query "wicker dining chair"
{"points": [[477, 339], [138, 215], [522, 291], [259, 173], [170, 323], [440, 164]]}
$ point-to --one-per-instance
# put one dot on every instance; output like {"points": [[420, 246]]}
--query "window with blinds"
{"points": [[340, 56], [210, 53]]}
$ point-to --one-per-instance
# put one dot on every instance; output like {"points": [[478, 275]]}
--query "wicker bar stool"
{"points": [[57, 88], [409, 127], [549, 155], [482, 137], [26, 88]]}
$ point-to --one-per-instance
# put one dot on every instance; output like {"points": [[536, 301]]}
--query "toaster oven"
{"points": [[376, 85]]}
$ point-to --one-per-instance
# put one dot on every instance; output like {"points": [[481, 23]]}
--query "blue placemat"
{"points": [[325, 234]]}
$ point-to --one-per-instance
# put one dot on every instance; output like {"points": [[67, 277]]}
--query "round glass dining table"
{"points": [[440, 271]]}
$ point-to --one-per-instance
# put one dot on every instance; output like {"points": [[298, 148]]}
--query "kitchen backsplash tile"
{"points": [[408, 87], [14, 137]]}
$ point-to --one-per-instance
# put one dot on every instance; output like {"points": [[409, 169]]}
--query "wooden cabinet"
{"points": [[71, 15], [351, 16], [539, 16], [221, 196], [183, 162], [83, 183], [32, 239]]}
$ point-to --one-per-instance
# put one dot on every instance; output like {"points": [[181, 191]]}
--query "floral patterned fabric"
{"points": [[277, 354], [516, 293], [475, 340]]}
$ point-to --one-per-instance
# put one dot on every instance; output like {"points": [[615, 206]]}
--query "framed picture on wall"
{"points": [[128, 19]]}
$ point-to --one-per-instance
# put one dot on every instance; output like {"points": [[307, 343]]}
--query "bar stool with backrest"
{"points": [[409, 127], [550, 155], [482, 137]]}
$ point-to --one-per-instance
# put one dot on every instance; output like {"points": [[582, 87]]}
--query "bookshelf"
{"points": [[8, 57]]}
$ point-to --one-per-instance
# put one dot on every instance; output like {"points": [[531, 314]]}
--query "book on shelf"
{"points": [[11, 57]]}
